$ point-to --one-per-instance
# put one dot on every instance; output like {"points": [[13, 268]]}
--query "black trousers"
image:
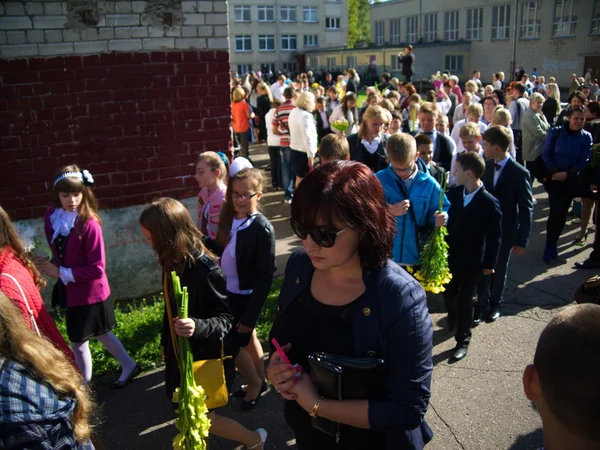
{"points": [[244, 140], [275, 157], [560, 196], [459, 301]]}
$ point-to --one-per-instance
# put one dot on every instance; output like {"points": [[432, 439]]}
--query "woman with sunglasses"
{"points": [[343, 295]]}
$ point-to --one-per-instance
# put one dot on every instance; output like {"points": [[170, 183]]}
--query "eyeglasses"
{"points": [[403, 171], [323, 236], [237, 196]]}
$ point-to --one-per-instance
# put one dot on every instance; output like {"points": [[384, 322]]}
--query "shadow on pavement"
{"points": [[529, 441]]}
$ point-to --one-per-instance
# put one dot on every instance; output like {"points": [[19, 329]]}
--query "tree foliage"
{"points": [[359, 22]]}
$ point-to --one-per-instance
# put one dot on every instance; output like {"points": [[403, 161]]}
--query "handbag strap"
{"points": [[170, 319], [29, 310]]}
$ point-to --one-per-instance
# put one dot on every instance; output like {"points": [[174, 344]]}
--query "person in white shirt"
{"points": [[473, 88], [460, 112], [502, 117], [278, 88], [443, 124], [274, 147], [303, 135], [470, 137], [474, 113]]}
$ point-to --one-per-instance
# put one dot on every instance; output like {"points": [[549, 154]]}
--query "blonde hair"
{"points": [[471, 85], [265, 87], [51, 366], [372, 113], [555, 94], [215, 162], [536, 97], [541, 79], [401, 148], [428, 108], [305, 101], [475, 109], [387, 104], [501, 117], [469, 130], [239, 94]]}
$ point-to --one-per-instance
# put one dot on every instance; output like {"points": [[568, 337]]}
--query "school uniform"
{"points": [[474, 236], [443, 148], [371, 154]]}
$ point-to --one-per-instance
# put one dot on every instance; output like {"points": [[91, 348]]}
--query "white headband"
{"points": [[85, 177]]}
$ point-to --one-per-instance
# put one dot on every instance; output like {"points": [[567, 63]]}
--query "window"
{"points": [[430, 27], [474, 23], [287, 13], [291, 67], [266, 43], [310, 15], [241, 13], [313, 62], [332, 23], [244, 69], [288, 42], [412, 29], [530, 21], [565, 18], [331, 63], [451, 26], [351, 62], [243, 43], [395, 31], [395, 65], [454, 63], [311, 40], [379, 32], [501, 22], [266, 13], [596, 19], [267, 67]]}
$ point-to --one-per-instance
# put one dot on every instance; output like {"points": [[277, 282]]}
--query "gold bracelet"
{"points": [[313, 413]]}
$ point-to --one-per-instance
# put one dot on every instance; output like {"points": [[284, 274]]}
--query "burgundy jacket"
{"points": [[86, 257]]}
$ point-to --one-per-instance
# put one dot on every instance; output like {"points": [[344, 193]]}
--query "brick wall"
{"points": [[136, 119]]}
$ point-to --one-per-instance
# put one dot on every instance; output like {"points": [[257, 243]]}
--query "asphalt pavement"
{"points": [[476, 404]]}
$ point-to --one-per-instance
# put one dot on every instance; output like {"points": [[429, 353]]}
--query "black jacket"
{"points": [[513, 191], [321, 130], [474, 232], [442, 153], [255, 261], [376, 162], [436, 172], [407, 62], [352, 86], [263, 106]]}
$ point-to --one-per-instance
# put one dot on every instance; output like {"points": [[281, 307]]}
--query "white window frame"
{"points": [[395, 37], [313, 62], [501, 22], [530, 19], [263, 42], [311, 40], [265, 11], [475, 19], [412, 29], [243, 39], [379, 30], [331, 63], [240, 13], [351, 62], [287, 12], [564, 25], [332, 23], [265, 67], [595, 29], [430, 27], [241, 67], [451, 25], [395, 65], [453, 63], [286, 42], [313, 14]]}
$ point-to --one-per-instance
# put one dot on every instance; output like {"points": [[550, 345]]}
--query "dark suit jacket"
{"points": [[513, 191], [442, 153], [436, 172], [376, 162], [407, 62], [474, 232], [321, 130]]}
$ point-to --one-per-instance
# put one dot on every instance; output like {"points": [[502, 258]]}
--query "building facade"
{"points": [[270, 35]]}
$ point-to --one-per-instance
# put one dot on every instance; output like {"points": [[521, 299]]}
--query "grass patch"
{"points": [[139, 324]]}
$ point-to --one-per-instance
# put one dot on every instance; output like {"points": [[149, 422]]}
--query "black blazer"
{"points": [[513, 191], [255, 262], [442, 153], [352, 86], [407, 62], [437, 172], [321, 130], [474, 232], [376, 162]]}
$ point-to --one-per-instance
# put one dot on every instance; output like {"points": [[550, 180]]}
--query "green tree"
{"points": [[359, 22]]}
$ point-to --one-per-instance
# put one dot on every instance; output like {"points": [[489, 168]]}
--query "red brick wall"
{"points": [[136, 121]]}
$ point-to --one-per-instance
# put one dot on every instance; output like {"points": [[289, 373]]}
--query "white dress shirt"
{"points": [[498, 172], [468, 197]]}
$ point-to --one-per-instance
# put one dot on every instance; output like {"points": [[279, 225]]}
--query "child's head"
{"points": [[470, 135], [332, 93], [386, 104], [72, 192], [469, 167], [320, 104], [496, 141], [414, 99], [276, 103], [169, 229], [501, 116], [424, 148], [349, 101], [467, 97], [396, 122], [402, 152], [474, 112], [442, 123], [211, 168], [563, 379], [334, 147], [238, 94], [372, 99], [427, 116]]}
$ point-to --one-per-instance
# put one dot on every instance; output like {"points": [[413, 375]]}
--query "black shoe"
{"points": [[478, 317], [248, 405], [493, 315], [241, 393], [459, 353], [121, 384], [587, 264]]}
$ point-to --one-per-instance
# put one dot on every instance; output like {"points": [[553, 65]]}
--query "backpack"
{"points": [[589, 291]]}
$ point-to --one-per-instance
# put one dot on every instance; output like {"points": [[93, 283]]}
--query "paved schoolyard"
{"points": [[477, 403]]}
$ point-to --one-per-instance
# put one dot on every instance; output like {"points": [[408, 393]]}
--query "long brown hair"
{"points": [[10, 238], [175, 237], [257, 180], [88, 209], [20, 344]]}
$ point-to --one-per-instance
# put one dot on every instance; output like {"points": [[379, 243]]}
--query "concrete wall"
{"points": [[132, 91]]}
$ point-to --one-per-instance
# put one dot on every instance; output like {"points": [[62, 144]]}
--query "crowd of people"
{"points": [[365, 181]]}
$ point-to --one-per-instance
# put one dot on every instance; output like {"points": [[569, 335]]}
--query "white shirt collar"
{"points": [[468, 197], [371, 146], [503, 162], [62, 221]]}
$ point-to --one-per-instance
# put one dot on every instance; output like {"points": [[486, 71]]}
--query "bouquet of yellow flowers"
{"points": [[341, 125], [433, 272]]}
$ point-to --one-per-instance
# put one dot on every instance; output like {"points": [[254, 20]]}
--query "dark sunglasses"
{"points": [[323, 236]]}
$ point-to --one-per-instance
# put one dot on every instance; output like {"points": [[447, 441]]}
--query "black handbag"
{"points": [[342, 378]]}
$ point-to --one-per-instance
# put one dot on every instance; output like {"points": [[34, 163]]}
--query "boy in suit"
{"points": [[425, 151], [470, 136], [443, 146], [322, 119], [474, 235], [563, 379], [510, 183]]}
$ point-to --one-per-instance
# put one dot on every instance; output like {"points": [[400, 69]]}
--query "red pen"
{"points": [[280, 351]]}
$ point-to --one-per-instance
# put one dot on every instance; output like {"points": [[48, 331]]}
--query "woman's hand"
{"points": [[559, 176], [184, 327], [440, 219], [47, 268], [400, 208], [306, 393], [243, 329], [282, 375]]}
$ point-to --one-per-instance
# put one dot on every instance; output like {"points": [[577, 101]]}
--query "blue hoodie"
{"points": [[424, 196]]}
